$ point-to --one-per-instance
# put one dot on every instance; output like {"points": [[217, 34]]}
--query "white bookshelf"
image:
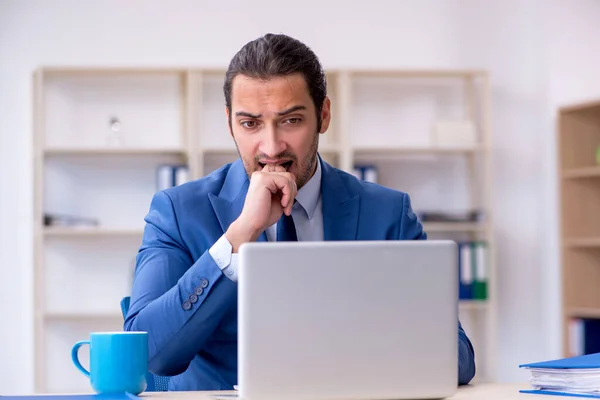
{"points": [[101, 133]]}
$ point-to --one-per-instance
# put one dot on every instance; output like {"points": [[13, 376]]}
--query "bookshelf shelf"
{"points": [[454, 227], [422, 153], [592, 106], [426, 150], [582, 242], [220, 150], [90, 231], [102, 135], [583, 312], [585, 172], [473, 305], [66, 151], [578, 137], [75, 316]]}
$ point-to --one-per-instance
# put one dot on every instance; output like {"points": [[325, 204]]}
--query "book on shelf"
{"points": [[451, 216], [473, 270], [71, 221], [170, 175], [366, 172], [584, 336], [573, 376]]}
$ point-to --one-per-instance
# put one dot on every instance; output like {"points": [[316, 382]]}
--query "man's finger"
{"points": [[273, 168], [288, 175], [287, 187], [276, 183]]}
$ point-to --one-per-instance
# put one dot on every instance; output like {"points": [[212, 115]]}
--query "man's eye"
{"points": [[293, 121], [248, 124]]}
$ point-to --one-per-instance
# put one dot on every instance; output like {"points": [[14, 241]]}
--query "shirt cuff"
{"points": [[221, 253]]}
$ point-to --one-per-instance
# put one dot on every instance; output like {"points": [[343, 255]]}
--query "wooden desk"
{"points": [[475, 392]]}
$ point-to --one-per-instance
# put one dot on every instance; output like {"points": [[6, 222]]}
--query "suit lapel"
{"points": [[340, 206], [229, 203]]}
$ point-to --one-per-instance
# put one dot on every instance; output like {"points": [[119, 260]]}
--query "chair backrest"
{"points": [[125, 306], [156, 383]]}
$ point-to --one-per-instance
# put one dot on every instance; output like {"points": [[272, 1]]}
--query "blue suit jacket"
{"points": [[189, 308]]}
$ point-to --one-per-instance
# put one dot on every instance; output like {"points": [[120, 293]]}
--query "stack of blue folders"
{"points": [[574, 376]]}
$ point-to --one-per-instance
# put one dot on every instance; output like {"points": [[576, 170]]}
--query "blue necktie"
{"points": [[286, 229]]}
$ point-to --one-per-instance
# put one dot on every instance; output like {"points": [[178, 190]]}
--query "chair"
{"points": [[156, 383]]}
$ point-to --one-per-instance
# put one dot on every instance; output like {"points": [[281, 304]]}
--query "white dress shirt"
{"points": [[308, 219]]}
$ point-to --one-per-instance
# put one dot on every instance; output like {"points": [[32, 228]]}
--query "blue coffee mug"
{"points": [[118, 361]]}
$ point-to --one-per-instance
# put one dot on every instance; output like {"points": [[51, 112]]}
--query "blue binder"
{"points": [[589, 361], [591, 332], [465, 283], [91, 396], [551, 393]]}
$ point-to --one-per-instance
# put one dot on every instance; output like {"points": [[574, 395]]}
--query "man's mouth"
{"points": [[285, 165]]}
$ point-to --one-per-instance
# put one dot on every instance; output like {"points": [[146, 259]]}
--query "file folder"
{"points": [[480, 274], [473, 273], [465, 272], [574, 376]]}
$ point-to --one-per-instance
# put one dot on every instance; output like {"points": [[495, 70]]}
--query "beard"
{"points": [[302, 169]]}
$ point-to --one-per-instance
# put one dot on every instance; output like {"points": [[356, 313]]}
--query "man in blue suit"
{"points": [[184, 292]]}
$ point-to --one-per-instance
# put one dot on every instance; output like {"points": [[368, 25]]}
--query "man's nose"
{"points": [[272, 145]]}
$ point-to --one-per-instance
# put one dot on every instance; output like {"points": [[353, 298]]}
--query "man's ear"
{"points": [[325, 115]]}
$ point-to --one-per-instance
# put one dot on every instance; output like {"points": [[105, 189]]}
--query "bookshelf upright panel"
{"points": [[579, 184], [101, 137]]}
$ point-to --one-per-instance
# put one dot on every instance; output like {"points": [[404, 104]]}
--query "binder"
{"points": [[573, 376], [366, 173], [370, 174], [554, 393], [584, 336], [465, 271], [169, 175], [180, 175], [164, 177], [480, 270], [473, 270]]}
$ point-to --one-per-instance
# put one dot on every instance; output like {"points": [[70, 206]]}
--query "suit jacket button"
{"points": [[193, 298], [204, 283], [187, 305], [199, 291]]}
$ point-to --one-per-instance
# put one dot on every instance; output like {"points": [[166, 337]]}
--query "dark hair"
{"points": [[274, 55]]}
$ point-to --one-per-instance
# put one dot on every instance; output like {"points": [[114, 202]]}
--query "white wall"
{"points": [[573, 64], [506, 38], [521, 45]]}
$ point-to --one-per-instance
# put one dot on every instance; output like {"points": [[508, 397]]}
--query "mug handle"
{"points": [[75, 357]]}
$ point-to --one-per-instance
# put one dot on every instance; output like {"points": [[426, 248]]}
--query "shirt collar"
{"points": [[308, 195]]}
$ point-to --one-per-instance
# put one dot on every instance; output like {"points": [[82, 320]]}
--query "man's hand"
{"points": [[270, 194]]}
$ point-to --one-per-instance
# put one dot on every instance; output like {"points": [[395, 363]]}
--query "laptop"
{"points": [[348, 320]]}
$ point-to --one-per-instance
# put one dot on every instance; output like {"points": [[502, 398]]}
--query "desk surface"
{"points": [[480, 391]]}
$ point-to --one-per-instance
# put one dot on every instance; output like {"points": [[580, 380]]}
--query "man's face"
{"points": [[275, 122]]}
